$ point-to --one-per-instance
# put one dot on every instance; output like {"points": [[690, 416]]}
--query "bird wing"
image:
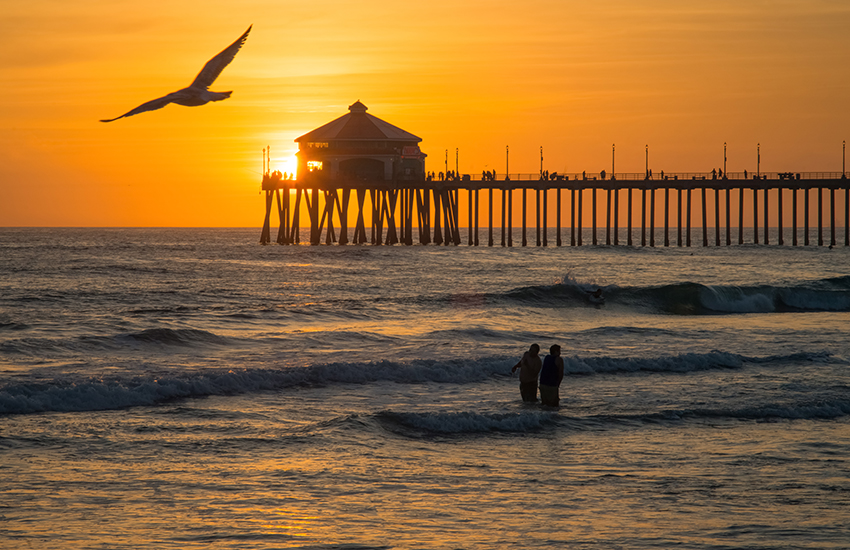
{"points": [[217, 64], [151, 105]]}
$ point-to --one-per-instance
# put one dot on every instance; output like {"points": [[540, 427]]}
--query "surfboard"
{"points": [[596, 298]]}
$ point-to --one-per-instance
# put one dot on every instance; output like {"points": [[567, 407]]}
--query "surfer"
{"points": [[529, 369], [596, 297], [550, 376]]}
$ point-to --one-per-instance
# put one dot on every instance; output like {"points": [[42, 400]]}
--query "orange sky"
{"points": [[571, 76]]}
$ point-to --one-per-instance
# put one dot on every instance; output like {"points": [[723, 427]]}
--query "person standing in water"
{"points": [[550, 376], [529, 369]]}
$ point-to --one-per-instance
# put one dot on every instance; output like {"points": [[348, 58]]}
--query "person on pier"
{"points": [[551, 375], [529, 369]]}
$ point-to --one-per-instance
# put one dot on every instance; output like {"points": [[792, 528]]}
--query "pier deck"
{"points": [[431, 207]]}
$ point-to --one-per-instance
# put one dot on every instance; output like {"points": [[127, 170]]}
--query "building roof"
{"points": [[358, 124]]}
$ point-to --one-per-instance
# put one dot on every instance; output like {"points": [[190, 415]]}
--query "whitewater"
{"points": [[188, 388]]}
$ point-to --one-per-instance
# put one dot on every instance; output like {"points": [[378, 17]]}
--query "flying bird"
{"points": [[197, 93]]}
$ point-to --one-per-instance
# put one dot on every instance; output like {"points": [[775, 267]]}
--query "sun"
{"points": [[285, 164]]}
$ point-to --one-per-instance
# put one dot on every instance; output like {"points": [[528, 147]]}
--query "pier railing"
{"points": [[564, 181], [640, 176]]}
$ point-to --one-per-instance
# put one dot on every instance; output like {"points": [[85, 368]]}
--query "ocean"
{"points": [[189, 388]]}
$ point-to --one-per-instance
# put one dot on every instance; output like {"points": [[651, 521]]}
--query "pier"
{"points": [[361, 162], [428, 211]]}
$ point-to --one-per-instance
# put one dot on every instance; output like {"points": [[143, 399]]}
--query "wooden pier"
{"points": [[428, 211]]}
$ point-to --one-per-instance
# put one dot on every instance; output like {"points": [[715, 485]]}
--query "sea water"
{"points": [[171, 388]]}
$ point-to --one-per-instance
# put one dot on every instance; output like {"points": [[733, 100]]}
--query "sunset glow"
{"points": [[572, 77], [444, 274]]}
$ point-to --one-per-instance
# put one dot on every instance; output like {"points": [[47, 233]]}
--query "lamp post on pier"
{"points": [[646, 166], [724, 158], [507, 162], [758, 161], [613, 152], [541, 162]]}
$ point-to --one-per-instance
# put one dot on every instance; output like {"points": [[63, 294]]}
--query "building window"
{"points": [[314, 165]]}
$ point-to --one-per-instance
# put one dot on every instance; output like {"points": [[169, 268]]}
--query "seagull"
{"points": [[197, 93]]}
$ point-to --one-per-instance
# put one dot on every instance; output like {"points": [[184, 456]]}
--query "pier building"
{"points": [[359, 146]]}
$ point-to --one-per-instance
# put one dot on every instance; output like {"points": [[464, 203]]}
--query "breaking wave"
{"points": [[693, 298], [90, 394], [472, 423]]}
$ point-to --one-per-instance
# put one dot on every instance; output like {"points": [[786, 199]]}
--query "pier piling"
{"points": [[432, 206]]}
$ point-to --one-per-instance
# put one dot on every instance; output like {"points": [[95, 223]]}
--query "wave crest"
{"points": [[688, 298], [90, 394], [447, 423]]}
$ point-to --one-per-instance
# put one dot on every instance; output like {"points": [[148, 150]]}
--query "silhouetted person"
{"points": [[596, 298], [551, 375], [602, 174], [745, 174], [529, 369]]}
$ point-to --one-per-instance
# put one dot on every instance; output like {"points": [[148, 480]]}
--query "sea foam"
{"points": [[119, 392]]}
